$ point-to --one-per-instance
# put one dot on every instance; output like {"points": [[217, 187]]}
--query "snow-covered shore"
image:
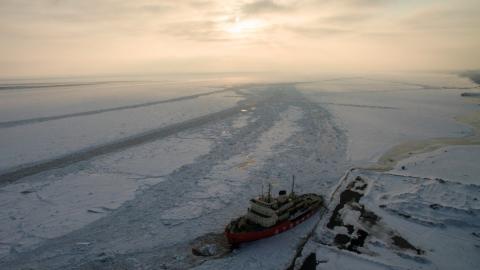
{"points": [[411, 222]]}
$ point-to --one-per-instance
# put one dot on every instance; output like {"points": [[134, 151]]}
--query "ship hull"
{"points": [[235, 238]]}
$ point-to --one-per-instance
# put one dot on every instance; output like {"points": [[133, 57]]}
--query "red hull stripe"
{"points": [[236, 238]]}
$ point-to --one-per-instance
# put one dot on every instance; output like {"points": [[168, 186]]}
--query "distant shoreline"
{"points": [[4, 87], [473, 75]]}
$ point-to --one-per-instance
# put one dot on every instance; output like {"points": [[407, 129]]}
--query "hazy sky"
{"points": [[81, 37]]}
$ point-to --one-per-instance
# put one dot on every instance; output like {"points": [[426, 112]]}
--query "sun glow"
{"points": [[244, 27]]}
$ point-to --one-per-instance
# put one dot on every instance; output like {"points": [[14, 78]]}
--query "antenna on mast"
{"points": [[262, 190], [293, 184], [269, 192]]}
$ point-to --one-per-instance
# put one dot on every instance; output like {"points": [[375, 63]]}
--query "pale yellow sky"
{"points": [[86, 37]]}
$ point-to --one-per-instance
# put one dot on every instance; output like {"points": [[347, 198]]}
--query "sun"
{"points": [[244, 27]]}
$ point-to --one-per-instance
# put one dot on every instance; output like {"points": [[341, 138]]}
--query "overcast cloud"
{"points": [[62, 37]]}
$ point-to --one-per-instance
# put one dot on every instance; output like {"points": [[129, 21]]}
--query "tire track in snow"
{"points": [[117, 145], [22, 122]]}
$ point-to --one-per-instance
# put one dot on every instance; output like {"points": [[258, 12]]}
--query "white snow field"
{"points": [[130, 174]]}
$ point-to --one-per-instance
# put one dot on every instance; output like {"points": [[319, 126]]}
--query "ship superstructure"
{"points": [[268, 215]]}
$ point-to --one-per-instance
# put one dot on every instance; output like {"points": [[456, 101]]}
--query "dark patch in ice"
{"points": [[350, 228], [94, 211], [404, 215], [368, 216], [441, 181], [342, 240], [310, 263], [404, 244], [359, 241], [468, 94]]}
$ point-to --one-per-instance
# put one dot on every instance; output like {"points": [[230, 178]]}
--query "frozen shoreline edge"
{"points": [[411, 148]]}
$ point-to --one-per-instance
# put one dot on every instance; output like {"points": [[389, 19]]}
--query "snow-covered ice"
{"points": [[40, 141], [378, 114], [52, 204], [455, 163], [19, 104]]}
